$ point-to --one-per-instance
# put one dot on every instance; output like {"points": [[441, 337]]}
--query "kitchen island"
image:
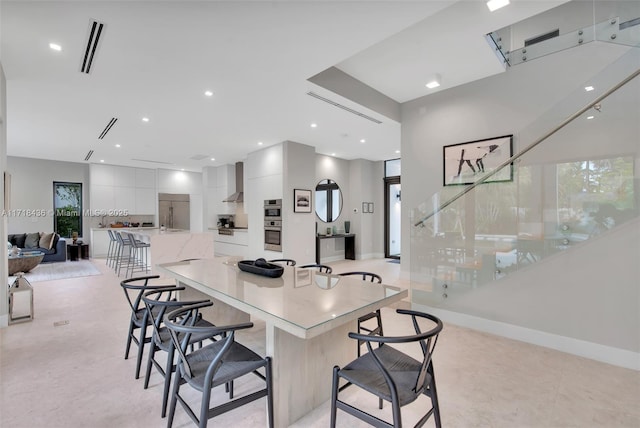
{"points": [[165, 245]]}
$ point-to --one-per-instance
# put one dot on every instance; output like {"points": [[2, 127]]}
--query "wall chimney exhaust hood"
{"points": [[238, 196]]}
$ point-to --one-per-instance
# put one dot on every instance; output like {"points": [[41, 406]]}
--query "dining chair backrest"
{"points": [[181, 323], [160, 301], [366, 276], [321, 268], [288, 262], [427, 340]]}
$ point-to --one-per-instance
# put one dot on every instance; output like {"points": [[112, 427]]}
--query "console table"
{"points": [[349, 245]]}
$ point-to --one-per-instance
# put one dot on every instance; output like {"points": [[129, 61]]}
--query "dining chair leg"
{"points": [[129, 339], [142, 340], [269, 380], [174, 399], [334, 397], [147, 374], [168, 371]]}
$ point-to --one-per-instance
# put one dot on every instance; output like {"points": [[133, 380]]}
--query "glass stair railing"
{"points": [[463, 240], [563, 28]]}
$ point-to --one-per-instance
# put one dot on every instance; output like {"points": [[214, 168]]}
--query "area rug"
{"points": [[62, 270]]}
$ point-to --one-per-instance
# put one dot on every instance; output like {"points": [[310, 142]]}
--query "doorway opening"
{"points": [[392, 210]]}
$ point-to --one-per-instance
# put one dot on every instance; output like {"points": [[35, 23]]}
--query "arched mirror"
{"points": [[328, 200]]}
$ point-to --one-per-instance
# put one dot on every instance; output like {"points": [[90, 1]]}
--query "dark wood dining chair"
{"points": [[392, 375], [363, 327], [218, 363]]}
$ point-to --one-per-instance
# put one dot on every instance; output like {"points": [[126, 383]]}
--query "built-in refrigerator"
{"points": [[173, 210]]}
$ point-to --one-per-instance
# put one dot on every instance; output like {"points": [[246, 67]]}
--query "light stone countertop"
{"points": [[303, 302]]}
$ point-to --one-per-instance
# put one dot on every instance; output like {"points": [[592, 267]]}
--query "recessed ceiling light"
{"points": [[102, 160], [397, 151], [259, 143], [589, 117], [333, 154], [589, 88], [208, 93], [118, 145], [213, 159], [145, 119], [314, 125], [181, 169], [55, 47], [363, 141], [494, 5]]}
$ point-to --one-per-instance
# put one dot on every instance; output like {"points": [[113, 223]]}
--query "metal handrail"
{"points": [[564, 123]]}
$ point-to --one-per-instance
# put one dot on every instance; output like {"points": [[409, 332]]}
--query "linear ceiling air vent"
{"points": [[88, 156], [152, 161], [199, 157], [542, 37], [93, 38], [107, 128], [350, 110]]}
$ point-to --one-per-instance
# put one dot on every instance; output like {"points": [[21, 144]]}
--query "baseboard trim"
{"points": [[606, 354]]}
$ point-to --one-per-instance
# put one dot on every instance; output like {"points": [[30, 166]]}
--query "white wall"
{"points": [[171, 181], [299, 228], [367, 185], [32, 189], [4, 308], [590, 293]]}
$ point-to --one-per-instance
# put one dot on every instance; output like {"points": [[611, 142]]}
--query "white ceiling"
{"points": [[156, 59]]}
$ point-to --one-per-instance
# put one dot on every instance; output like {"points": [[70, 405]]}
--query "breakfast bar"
{"points": [[308, 316]]}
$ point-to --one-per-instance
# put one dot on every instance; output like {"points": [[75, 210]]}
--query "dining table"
{"points": [[307, 317]]}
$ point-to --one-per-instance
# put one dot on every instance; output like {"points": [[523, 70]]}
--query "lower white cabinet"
{"points": [[231, 245]]}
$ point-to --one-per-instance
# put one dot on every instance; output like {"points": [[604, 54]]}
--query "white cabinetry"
{"points": [[99, 242], [123, 188], [231, 245]]}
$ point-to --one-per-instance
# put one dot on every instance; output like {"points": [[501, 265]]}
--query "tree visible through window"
{"points": [[67, 208]]}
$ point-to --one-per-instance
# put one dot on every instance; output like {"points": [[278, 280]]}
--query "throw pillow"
{"points": [[46, 240], [20, 240], [32, 240]]}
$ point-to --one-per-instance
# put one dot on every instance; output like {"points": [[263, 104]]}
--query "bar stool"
{"points": [[122, 252], [138, 255], [111, 251]]}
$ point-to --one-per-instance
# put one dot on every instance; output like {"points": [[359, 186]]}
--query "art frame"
{"points": [[301, 201], [466, 163]]}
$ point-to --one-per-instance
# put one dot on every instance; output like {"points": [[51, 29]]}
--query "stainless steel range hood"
{"points": [[238, 196]]}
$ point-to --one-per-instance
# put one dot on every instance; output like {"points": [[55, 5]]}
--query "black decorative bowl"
{"points": [[261, 267]]}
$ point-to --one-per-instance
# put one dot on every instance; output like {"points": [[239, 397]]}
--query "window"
{"points": [[67, 208]]}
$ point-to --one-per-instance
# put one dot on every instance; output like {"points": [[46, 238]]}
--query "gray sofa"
{"points": [[29, 242]]}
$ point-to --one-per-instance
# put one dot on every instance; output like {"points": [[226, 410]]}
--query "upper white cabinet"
{"points": [[145, 178], [123, 188]]}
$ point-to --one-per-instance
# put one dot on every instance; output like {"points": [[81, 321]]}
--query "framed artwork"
{"points": [[365, 208], [301, 201], [465, 163], [370, 207]]}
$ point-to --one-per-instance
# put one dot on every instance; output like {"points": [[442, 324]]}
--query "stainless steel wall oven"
{"points": [[273, 224]]}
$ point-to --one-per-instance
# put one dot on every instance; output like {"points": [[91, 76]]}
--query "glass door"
{"points": [[393, 211]]}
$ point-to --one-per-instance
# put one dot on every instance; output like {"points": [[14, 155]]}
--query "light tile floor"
{"points": [[74, 375]]}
